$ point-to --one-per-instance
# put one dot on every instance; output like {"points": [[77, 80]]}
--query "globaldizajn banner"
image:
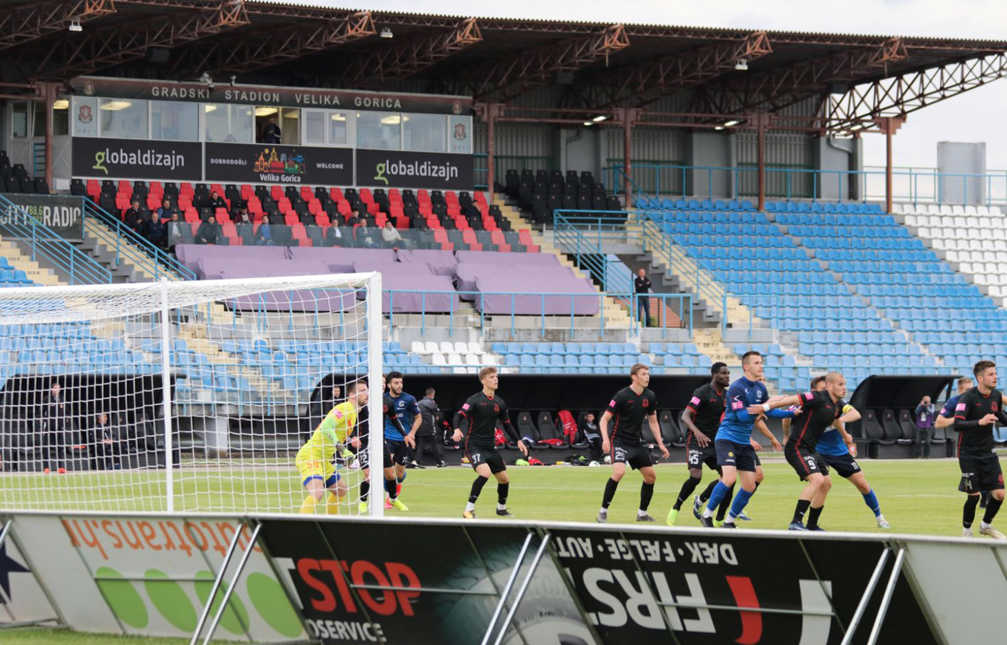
{"points": [[64, 214], [137, 158], [399, 169]]}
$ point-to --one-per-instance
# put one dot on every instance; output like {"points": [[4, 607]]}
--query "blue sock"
{"points": [[740, 500], [872, 502], [718, 494], [403, 478]]}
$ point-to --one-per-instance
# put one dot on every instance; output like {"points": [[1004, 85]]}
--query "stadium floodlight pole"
{"points": [[375, 424], [169, 466]]}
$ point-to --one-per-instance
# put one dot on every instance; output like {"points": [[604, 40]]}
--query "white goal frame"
{"points": [[161, 298]]}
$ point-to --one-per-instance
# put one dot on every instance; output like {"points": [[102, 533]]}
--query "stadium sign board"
{"points": [[278, 164], [64, 214], [306, 97], [400, 169], [137, 159]]}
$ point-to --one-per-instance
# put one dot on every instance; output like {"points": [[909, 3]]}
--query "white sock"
{"points": [[501, 507], [707, 512], [469, 506], [730, 518], [640, 512], [603, 510], [984, 525]]}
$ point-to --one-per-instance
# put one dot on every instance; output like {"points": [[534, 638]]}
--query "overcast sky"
{"points": [[973, 116]]}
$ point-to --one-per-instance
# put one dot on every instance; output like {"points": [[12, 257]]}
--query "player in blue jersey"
{"points": [[405, 409], [837, 449], [747, 401]]}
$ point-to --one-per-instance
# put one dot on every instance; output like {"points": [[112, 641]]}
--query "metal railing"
{"points": [[127, 245], [909, 184], [46, 244], [544, 308]]}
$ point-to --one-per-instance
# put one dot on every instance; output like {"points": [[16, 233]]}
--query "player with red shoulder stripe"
{"points": [[626, 412], [477, 421], [818, 411]]}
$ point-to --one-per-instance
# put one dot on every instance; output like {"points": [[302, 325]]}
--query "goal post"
{"points": [[187, 396]]}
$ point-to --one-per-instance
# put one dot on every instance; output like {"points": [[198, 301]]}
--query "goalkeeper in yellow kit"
{"points": [[314, 459]]}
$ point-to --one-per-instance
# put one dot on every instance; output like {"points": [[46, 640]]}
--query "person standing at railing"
{"points": [[641, 287]]}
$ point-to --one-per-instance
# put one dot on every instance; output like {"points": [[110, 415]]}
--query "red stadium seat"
{"points": [[469, 237], [247, 192], [524, 236]]}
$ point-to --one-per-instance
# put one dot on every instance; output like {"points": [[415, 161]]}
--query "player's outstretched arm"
{"points": [[763, 429], [850, 415]]}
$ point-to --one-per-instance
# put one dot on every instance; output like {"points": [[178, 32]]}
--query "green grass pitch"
{"points": [[917, 496]]}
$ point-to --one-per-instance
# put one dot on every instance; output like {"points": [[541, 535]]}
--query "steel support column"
{"points": [[627, 116], [490, 112], [889, 125], [761, 122], [49, 92]]}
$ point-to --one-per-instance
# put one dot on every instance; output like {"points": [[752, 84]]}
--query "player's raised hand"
{"points": [[523, 448], [457, 435]]}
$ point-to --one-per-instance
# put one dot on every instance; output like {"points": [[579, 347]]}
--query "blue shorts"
{"points": [[740, 455], [329, 483]]}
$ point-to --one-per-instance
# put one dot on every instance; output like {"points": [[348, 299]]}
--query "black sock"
{"points": [[725, 504], [365, 487], [477, 487], [992, 506], [502, 490], [688, 486], [391, 487], [646, 492], [969, 510], [802, 508], [756, 486], [705, 495], [984, 498], [813, 516], [610, 487]]}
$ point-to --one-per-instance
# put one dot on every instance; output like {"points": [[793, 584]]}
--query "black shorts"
{"points": [[401, 454], [980, 473], [636, 456], [488, 456], [845, 465], [364, 456], [698, 456], [803, 462], [740, 455]]}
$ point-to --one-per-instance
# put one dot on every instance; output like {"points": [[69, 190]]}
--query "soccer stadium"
{"points": [[641, 280]]}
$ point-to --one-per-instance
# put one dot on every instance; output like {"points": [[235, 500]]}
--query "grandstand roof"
{"points": [[494, 59]]}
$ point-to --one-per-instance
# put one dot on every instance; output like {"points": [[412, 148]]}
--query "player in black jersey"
{"points": [[363, 456], [477, 423], [819, 410], [702, 418], [629, 407], [978, 410]]}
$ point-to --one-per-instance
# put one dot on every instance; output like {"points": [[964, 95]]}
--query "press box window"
{"points": [[379, 130], [61, 117], [123, 118], [174, 121], [228, 123], [424, 132]]}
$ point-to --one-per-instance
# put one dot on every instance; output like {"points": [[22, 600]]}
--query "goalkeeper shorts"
{"points": [[317, 470]]}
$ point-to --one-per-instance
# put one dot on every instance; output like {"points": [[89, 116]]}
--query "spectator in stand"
{"points": [[390, 235], [208, 231], [242, 216], [925, 416], [106, 444], [165, 211], [218, 202], [132, 214], [641, 287], [353, 218], [264, 236], [426, 434], [333, 236], [271, 133], [157, 231], [362, 234]]}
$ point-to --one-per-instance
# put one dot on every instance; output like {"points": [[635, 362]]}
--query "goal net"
{"points": [[86, 422]]}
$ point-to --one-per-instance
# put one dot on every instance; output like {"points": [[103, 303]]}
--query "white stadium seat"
{"points": [[437, 359], [455, 359]]}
